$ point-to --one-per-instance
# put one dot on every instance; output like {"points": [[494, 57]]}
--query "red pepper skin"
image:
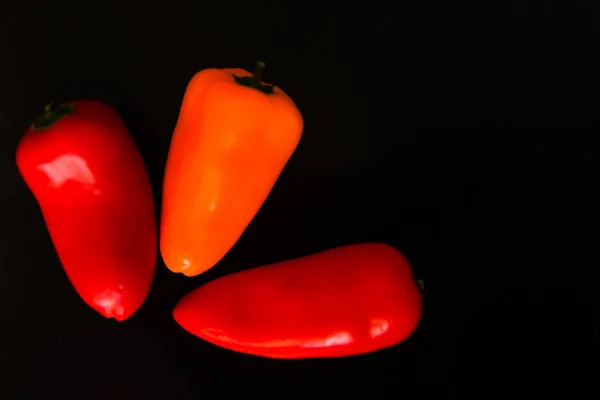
{"points": [[341, 302], [91, 184]]}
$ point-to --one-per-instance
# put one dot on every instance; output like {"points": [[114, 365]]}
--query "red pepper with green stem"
{"points": [[90, 182], [349, 300]]}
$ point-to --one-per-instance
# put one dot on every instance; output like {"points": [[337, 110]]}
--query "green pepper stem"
{"points": [[52, 114], [259, 71], [255, 81], [421, 284]]}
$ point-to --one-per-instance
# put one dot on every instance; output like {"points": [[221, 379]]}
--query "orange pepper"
{"points": [[233, 137]]}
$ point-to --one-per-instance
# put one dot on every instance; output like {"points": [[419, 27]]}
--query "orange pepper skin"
{"points": [[345, 301], [229, 146]]}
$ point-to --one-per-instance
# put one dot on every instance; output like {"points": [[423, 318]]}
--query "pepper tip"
{"points": [[110, 304]]}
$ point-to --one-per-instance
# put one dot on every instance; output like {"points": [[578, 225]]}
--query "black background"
{"points": [[464, 134]]}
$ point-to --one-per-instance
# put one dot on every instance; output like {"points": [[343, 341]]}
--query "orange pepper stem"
{"points": [[258, 74], [52, 114], [255, 81]]}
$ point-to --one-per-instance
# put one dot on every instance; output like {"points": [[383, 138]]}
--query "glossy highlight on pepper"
{"points": [[94, 193], [233, 137], [345, 301]]}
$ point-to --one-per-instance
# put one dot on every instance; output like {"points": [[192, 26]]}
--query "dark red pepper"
{"points": [[345, 301], [91, 184]]}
